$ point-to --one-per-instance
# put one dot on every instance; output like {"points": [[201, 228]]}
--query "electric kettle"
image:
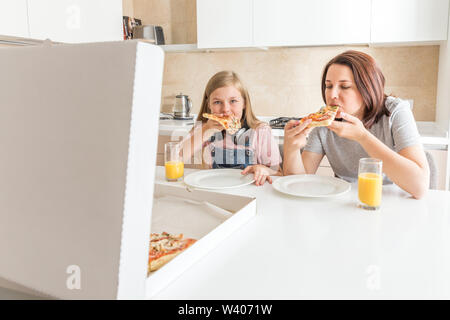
{"points": [[182, 107]]}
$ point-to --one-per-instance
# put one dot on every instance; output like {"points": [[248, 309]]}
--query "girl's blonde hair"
{"points": [[225, 79]]}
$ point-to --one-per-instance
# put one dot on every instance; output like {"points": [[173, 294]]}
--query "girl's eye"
{"points": [[345, 88], [234, 101], [216, 102], [328, 87]]}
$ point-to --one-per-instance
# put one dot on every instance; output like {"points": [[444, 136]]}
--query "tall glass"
{"points": [[370, 182], [173, 161]]}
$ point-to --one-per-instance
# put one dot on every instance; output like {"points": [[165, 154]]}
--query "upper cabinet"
{"points": [[254, 23], [409, 20], [224, 24], [319, 22], [70, 21], [76, 20], [14, 18]]}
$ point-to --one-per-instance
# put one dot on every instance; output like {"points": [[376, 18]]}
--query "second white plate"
{"points": [[218, 179], [311, 185]]}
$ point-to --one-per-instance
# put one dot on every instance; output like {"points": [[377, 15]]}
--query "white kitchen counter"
{"points": [[305, 248], [431, 134]]}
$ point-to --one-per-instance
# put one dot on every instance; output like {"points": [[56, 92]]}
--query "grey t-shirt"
{"points": [[397, 132]]}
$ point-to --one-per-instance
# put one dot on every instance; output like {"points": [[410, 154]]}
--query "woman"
{"points": [[252, 148], [373, 125]]}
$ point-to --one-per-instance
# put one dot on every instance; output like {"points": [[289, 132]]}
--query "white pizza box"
{"points": [[207, 216], [79, 127]]}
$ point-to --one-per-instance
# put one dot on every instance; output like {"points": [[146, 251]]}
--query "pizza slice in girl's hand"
{"points": [[229, 123], [322, 118], [164, 247]]}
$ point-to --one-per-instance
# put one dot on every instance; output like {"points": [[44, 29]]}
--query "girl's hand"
{"points": [[295, 134], [352, 129], [211, 127], [261, 173]]}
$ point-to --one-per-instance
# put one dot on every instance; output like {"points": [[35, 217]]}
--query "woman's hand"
{"points": [[352, 129], [295, 134], [261, 173]]}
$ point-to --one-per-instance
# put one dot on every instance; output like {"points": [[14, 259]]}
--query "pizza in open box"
{"points": [[164, 247]]}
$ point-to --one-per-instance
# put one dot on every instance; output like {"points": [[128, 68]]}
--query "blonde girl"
{"points": [[252, 149]]}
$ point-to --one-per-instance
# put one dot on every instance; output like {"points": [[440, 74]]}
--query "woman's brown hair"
{"points": [[225, 79], [368, 79]]}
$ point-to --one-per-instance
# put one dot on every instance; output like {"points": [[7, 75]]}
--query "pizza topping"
{"points": [[165, 244], [229, 123], [323, 117]]}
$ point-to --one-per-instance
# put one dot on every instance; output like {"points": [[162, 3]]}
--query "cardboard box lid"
{"points": [[78, 126]]}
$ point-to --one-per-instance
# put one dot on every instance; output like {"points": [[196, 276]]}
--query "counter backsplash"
{"points": [[286, 81]]}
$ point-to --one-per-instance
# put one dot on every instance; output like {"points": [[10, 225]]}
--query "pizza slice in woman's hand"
{"points": [[229, 123], [324, 117]]}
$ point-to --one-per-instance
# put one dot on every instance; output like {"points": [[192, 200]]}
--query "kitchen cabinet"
{"points": [[14, 18], [409, 20], [224, 24], [264, 23], [75, 21], [321, 22]]}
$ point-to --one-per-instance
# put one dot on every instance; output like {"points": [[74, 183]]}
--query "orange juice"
{"points": [[369, 188], [174, 169]]}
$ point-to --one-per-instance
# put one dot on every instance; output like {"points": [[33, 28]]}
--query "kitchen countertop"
{"points": [[327, 248], [430, 133]]}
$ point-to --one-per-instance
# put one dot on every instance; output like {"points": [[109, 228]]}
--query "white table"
{"points": [[299, 248], [304, 248]]}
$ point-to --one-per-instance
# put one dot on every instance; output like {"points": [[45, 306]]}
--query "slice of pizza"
{"points": [[324, 117], [164, 247], [229, 123]]}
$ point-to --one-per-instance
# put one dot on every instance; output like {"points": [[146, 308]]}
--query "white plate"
{"points": [[218, 179], [311, 185]]}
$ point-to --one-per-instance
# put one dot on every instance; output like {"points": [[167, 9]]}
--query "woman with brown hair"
{"points": [[373, 125], [252, 149]]}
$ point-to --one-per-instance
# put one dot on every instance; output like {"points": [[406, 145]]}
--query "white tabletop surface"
{"points": [[324, 248], [305, 248]]}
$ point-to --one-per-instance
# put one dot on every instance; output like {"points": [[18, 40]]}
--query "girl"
{"points": [[374, 125], [252, 148]]}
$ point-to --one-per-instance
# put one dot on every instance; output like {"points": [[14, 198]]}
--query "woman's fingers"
{"points": [[295, 127], [290, 124], [335, 125], [349, 117], [302, 125]]}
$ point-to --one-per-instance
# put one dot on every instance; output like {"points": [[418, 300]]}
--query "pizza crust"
{"points": [[324, 123], [327, 111], [158, 263]]}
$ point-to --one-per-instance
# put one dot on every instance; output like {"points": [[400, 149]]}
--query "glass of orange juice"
{"points": [[173, 161], [370, 182]]}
